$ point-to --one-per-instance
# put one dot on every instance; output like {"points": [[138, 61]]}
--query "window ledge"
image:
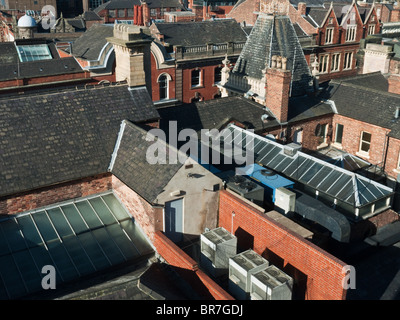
{"points": [[197, 87], [337, 145], [362, 154]]}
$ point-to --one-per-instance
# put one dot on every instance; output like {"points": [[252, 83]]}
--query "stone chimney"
{"points": [[132, 55], [278, 81], [302, 8]]}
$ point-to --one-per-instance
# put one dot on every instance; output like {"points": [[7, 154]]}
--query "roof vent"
{"points": [[397, 113]]}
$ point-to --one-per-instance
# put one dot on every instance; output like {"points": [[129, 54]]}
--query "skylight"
{"points": [[77, 238], [33, 52]]}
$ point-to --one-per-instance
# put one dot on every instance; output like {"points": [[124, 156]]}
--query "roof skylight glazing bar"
{"points": [[62, 242], [267, 155], [79, 241]]}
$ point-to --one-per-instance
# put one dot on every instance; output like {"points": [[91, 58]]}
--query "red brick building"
{"points": [[329, 32]]}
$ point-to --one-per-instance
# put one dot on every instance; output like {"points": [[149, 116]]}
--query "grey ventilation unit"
{"points": [[291, 149], [216, 247], [271, 284], [241, 267]]}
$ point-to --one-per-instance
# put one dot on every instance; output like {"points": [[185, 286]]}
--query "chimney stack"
{"points": [[302, 8], [278, 81]]}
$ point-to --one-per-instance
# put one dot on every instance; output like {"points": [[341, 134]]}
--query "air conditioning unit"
{"points": [[285, 200], [241, 267], [291, 149], [247, 188], [216, 247], [271, 284]]}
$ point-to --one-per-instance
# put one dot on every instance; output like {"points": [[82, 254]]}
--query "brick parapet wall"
{"points": [[187, 267], [35, 199], [323, 271]]}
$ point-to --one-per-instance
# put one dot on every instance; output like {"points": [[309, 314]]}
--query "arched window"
{"points": [[163, 85]]}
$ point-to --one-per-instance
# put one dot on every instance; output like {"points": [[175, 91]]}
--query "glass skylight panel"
{"points": [[338, 185], [80, 238], [275, 161], [329, 181], [34, 52]]}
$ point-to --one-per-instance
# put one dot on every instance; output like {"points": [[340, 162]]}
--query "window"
{"points": [[111, 13], [351, 33], [163, 84], [323, 133], [163, 10], [365, 142], [196, 75], [398, 163], [371, 29], [323, 63], [34, 52], [335, 63], [329, 36], [121, 13], [153, 12], [378, 12], [348, 60], [339, 133], [130, 12], [217, 75]]}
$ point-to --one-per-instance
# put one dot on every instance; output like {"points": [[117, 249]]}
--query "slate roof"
{"points": [[131, 166], [274, 35], [215, 113], [306, 107], [52, 138], [89, 45], [90, 16], [200, 33], [364, 103], [39, 68]]}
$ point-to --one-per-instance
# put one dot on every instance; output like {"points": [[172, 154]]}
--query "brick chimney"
{"points": [[302, 8], [394, 83], [278, 88]]}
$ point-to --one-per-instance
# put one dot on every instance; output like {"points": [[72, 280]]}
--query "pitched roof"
{"points": [[39, 68], [274, 35], [215, 113], [200, 33], [89, 45], [131, 166], [52, 138], [365, 103]]}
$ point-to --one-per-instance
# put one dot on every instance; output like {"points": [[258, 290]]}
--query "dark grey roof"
{"points": [[8, 53], [317, 15], [373, 80], [77, 23], [90, 16], [89, 45], [122, 4], [132, 167], [39, 68], [52, 138], [274, 35], [215, 114], [307, 107], [366, 104], [199, 33]]}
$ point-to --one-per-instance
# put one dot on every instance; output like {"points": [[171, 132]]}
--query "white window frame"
{"points": [[351, 32], [329, 35], [363, 152], [336, 134], [348, 60], [191, 78], [335, 62], [168, 79], [324, 63], [371, 29]]}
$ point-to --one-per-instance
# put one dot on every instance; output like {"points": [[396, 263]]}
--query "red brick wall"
{"points": [[155, 73], [148, 217], [188, 268], [49, 195], [322, 270], [207, 90], [352, 134], [245, 12], [394, 83], [392, 158]]}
